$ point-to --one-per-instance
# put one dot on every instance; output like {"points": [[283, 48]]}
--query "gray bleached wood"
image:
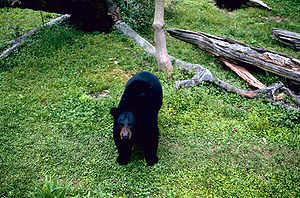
{"points": [[145, 45], [202, 74], [258, 3], [17, 42], [291, 39], [241, 53]]}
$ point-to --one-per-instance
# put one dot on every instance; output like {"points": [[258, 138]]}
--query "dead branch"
{"points": [[18, 41], [145, 45]]}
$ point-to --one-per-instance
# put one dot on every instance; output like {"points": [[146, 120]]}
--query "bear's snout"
{"points": [[125, 133]]}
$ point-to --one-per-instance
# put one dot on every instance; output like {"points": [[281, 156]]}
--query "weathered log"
{"points": [[91, 14], [258, 3], [235, 4], [291, 39], [242, 54], [201, 74]]}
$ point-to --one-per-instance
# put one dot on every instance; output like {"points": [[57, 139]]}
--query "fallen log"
{"points": [[291, 39], [201, 74], [258, 3], [238, 52], [235, 4]]}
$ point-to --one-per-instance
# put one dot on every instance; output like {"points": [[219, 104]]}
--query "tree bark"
{"points": [[91, 14], [288, 38], [162, 57], [242, 54]]}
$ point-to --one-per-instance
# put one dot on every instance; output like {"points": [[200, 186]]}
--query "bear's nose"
{"points": [[125, 136], [125, 133]]}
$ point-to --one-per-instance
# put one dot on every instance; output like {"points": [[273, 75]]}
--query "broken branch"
{"points": [[18, 41]]}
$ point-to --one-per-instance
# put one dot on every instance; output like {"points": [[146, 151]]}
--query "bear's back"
{"points": [[142, 91]]}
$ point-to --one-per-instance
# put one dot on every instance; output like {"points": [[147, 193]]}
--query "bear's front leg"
{"points": [[124, 154], [150, 152]]}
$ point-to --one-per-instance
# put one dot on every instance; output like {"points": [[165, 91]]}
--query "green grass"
{"points": [[211, 142]]}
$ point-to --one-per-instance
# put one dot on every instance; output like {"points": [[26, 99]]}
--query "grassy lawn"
{"points": [[57, 89]]}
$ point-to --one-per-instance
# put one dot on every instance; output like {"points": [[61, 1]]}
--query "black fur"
{"points": [[137, 112]]}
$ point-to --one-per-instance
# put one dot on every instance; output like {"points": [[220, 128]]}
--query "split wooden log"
{"points": [[201, 74], [244, 74], [18, 41], [291, 39], [243, 54]]}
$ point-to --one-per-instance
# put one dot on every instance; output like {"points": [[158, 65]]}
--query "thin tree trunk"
{"points": [[162, 57]]}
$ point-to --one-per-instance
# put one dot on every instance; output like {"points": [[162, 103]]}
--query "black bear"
{"points": [[135, 119]]}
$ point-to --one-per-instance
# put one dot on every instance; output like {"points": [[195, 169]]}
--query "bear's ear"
{"points": [[114, 111]]}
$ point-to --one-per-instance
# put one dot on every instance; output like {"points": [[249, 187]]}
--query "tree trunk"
{"points": [[242, 54], [92, 14], [162, 57]]}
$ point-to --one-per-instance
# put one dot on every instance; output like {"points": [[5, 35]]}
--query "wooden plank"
{"points": [[244, 74]]}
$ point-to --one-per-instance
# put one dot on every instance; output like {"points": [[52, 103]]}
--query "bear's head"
{"points": [[124, 123]]}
